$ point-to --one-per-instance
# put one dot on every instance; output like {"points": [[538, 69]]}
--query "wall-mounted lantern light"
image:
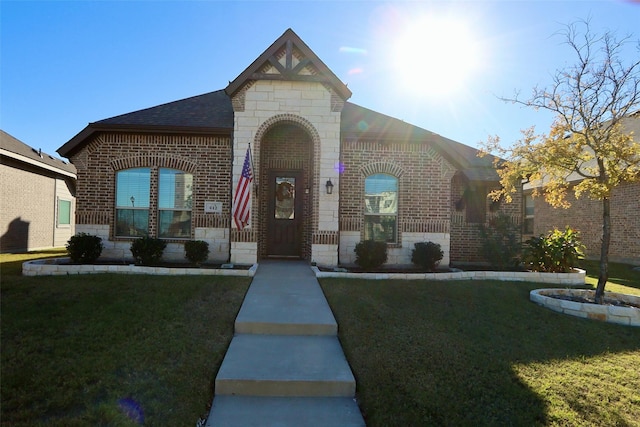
{"points": [[329, 186]]}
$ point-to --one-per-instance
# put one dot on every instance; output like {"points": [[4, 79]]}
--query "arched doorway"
{"points": [[286, 180]]}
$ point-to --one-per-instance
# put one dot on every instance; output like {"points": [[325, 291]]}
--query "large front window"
{"points": [[175, 198], [381, 208], [132, 202]]}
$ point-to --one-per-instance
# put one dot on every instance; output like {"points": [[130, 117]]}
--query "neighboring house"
{"points": [[171, 171], [585, 215], [37, 198]]}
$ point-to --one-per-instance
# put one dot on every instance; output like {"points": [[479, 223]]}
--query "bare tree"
{"points": [[587, 142]]}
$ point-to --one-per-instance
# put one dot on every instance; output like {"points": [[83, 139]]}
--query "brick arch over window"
{"points": [[381, 167], [154, 161]]}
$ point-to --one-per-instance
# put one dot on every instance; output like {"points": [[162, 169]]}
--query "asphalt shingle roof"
{"points": [[15, 146], [213, 111], [210, 110]]}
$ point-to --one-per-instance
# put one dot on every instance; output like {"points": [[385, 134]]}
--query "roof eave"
{"points": [[77, 141]]}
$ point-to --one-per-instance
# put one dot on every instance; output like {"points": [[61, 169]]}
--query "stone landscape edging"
{"points": [[605, 313], [58, 267], [563, 279]]}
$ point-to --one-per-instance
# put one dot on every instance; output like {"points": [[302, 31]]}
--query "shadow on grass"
{"points": [[74, 348], [471, 353], [620, 274]]}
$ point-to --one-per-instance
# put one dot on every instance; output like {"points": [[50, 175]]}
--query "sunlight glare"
{"points": [[436, 56]]}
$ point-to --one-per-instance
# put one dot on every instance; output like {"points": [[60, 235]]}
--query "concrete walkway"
{"points": [[285, 366]]}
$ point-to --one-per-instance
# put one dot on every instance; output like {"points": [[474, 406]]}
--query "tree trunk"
{"points": [[604, 250]]}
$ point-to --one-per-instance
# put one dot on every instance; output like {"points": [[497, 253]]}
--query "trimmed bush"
{"points": [[147, 250], [196, 251], [501, 243], [427, 255], [371, 254], [557, 252], [84, 248]]}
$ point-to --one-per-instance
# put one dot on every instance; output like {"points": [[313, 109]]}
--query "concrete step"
{"points": [[251, 411], [285, 365], [283, 305]]}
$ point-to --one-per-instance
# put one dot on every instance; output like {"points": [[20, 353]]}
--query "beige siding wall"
{"points": [[63, 232], [27, 206]]}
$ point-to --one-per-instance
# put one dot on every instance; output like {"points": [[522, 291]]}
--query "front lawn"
{"points": [[480, 353], [112, 349]]}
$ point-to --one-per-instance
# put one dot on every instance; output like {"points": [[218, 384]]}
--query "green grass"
{"points": [[622, 277], [479, 353], [78, 349]]}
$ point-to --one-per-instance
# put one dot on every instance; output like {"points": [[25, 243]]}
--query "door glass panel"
{"points": [[285, 197]]}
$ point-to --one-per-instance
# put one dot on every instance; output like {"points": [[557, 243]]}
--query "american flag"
{"points": [[242, 199]]}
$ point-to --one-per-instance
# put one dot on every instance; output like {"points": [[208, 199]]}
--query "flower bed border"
{"points": [[605, 313], [564, 279], [58, 267]]}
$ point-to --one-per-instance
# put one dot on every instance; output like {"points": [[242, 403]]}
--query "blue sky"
{"points": [[67, 63]]}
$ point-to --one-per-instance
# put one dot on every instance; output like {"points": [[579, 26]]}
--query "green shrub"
{"points": [[501, 245], [371, 254], [84, 248], [427, 255], [196, 251], [147, 250], [557, 252]]}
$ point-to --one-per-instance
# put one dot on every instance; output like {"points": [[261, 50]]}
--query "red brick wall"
{"points": [[424, 184], [466, 243], [207, 157], [585, 215]]}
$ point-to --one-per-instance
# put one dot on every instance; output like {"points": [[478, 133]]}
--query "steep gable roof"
{"points": [[289, 58], [18, 150]]}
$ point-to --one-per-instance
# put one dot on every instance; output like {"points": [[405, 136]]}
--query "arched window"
{"points": [[175, 200], [381, 208], [133, 202]]}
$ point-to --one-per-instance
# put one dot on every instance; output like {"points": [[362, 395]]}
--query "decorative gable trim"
{"points": [[288, 59]]}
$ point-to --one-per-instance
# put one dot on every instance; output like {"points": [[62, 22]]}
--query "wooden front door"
{"points": [[285, 221]]}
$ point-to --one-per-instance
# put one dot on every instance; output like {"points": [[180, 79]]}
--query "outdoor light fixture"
{"points": [[329, 186], [133, 201]]}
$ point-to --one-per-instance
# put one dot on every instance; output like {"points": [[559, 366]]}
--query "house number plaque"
{"points": [[213, 207]]}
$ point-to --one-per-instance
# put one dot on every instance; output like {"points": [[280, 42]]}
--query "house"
{"points": [[585, 215], [37, 198], [326, 173]]}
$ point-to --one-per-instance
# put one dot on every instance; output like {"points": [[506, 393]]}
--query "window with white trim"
{"points": [[381, 208], [64, 213]]}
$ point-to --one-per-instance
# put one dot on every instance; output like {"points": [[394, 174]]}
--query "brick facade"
{"points": [[208, 158], [585, 215], [466, 243], [424, 192], [292, 111]]}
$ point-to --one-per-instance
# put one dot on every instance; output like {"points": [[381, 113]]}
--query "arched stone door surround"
{"points": [[287, 147]]}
